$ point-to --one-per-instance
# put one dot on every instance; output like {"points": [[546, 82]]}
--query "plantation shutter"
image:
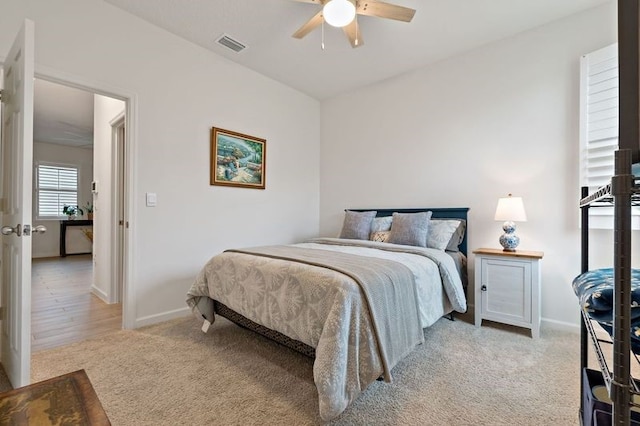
{"points": [[598, 125], [56, 186], [599, 128], [598, 115]]}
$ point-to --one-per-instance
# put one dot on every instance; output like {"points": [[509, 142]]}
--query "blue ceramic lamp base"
{"points": [[509, 240]]}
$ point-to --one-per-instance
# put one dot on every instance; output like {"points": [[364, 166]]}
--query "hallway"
{"points": [[63, 308]]}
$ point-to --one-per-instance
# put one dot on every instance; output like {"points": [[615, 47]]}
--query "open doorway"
{"points": [[73, 295]]}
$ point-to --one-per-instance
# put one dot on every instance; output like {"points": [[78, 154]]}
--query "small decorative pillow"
{"points": [[357, 225], [381, 224], [410, 229], [380, 236], [440, 233]]}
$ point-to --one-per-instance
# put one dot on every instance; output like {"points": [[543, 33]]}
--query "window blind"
{"points": [[598, 116], [56, 186], [599, 128]]}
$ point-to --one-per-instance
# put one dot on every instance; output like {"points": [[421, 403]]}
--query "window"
{"points": [[599, 128], [55, 187], [598, 116]]}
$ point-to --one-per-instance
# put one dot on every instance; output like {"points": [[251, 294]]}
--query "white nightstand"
{"points": [[508, 287]]}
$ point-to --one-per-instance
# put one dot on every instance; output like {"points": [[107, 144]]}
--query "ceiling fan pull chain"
{"points": [[356, 40], [322, 42]]}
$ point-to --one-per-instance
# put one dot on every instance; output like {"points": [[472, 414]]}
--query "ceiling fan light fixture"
{"points": [[339, 13]]}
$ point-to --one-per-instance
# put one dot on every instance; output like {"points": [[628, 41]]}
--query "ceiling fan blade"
{"points": [[352, 31], [385, 10], [309, 26]]}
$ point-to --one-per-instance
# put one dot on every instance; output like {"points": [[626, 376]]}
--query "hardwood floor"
{"points": [[63, 309]]}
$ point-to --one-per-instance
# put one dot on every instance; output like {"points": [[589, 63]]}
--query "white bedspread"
{"points": [[324, 308]]}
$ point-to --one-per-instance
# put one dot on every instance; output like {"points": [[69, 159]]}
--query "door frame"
{"points": [[118, 203], [131, 115]]}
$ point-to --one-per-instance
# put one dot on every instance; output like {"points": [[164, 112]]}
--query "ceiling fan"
{"points": [[342, 13]]}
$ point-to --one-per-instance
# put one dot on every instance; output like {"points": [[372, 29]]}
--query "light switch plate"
{"points": [[152, 199]]}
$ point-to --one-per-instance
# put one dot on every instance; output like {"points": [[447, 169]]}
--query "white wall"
{"points": [[466, 131], [181, 91], [463, 132], [48, 244], [105, 110]]}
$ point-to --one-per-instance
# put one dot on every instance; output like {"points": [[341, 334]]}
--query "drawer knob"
{"points": [[483, 288]]}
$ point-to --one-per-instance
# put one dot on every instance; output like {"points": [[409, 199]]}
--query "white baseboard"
{"points": [[101, 294], [42, 255], [560, 325], [164, 316], [550, 324], [186, 311]]}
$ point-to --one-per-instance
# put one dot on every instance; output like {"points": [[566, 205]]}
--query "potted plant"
{"points": [[72, 211], [89, 209]]}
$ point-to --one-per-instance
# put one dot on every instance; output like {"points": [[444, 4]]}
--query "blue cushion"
{"points": [[595, 291]]}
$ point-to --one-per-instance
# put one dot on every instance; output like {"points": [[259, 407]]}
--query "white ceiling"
{"points": [[62, 115], [440, 29]]}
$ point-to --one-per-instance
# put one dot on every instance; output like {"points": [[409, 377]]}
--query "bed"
{"points": [[357, 303]]}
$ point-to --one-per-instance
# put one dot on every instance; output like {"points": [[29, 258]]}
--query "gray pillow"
{"points": [[410, 229], [357, 225]]}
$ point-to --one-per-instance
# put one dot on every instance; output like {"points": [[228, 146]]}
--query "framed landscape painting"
{"points": [[237, 159]]}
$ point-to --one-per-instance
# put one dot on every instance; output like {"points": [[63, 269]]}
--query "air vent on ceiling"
{"points": [[230, 43]]}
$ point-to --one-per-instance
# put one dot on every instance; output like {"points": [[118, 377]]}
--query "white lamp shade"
{"points": [[511, 209], [339, 13]]}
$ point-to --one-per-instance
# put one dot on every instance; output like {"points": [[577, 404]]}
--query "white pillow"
{"points": [[458, 236], [440, 232], [381, 224]]}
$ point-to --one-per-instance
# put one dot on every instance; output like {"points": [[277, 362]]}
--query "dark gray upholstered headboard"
{"points": [[439, 213]]}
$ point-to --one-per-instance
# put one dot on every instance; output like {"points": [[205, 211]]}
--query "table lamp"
{"points": [[510, 209]]}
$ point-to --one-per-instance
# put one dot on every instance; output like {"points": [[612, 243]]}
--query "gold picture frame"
{"points": [[237, 159]]}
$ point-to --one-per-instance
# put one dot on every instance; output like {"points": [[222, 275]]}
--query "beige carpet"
{"points": [[172, 373]]}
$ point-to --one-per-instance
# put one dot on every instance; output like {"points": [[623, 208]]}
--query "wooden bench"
{"points": [[66, 399]]}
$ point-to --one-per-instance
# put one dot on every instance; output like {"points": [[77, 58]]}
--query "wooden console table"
{"points": [[63, 234]]}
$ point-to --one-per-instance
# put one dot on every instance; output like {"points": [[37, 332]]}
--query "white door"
{"points": [[17, 159]]}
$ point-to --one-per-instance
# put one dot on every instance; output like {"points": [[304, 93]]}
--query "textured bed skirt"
{"points": [[223, 310]]}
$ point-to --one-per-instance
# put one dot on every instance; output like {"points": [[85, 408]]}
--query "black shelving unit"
{"points": [[622, 193]]}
